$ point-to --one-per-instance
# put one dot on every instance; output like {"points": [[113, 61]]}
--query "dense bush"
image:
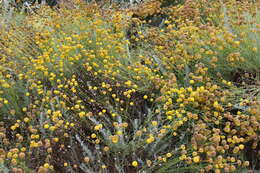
{"points": [[149, 88]]}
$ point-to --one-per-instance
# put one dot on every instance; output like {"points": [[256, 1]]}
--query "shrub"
{"points": [[79, 93]]}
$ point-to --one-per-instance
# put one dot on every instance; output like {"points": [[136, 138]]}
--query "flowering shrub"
{"points": [[90, 89]]}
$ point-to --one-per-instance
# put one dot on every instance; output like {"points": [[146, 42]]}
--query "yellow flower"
{"points": [[93, 135], [168, 155], [77, 106], [46, 165], [134, 163], [241, 146], [150, 140], [154, 123], [196, 159], [13, 127], [46, 126], [98, 127], [106, 148], [119, 132], [254, 49], [26, 119], [114, 139], [52, 128], [55, 139], [82, 114]]}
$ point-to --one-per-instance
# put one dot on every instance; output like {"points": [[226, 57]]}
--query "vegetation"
{"points": [[154, 86]]}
